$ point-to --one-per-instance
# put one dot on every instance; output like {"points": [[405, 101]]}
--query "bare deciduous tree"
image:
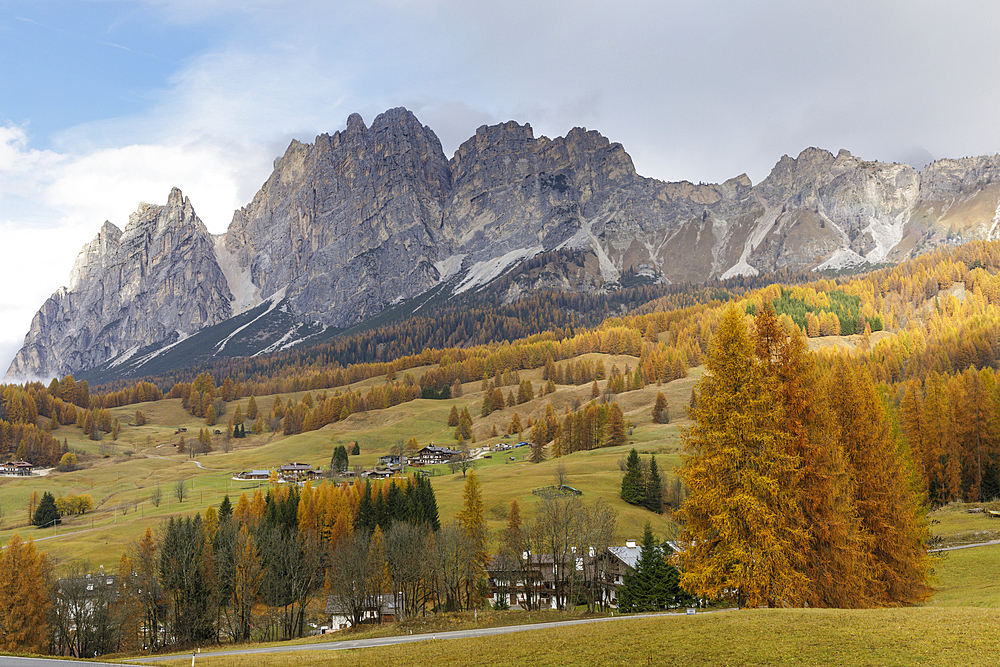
{"points": [[559, 519], [180, 490]]}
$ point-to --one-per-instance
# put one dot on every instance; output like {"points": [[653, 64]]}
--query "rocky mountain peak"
{"points": [[159, 278], [376, 215], [90, 261]]}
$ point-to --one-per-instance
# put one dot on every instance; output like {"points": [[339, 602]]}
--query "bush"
{"points": [[67, 462]]}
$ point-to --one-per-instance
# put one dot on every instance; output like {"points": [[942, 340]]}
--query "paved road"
{"points": [[964, 546], [9, 661], [406, 639]]}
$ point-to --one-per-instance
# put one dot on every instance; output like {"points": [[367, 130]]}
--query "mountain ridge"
{"points": [[372, 216]]}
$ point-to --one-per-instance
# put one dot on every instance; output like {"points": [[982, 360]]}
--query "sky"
{"points": [[108, 103]]}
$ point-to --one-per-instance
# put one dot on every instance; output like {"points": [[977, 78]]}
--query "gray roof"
{"points": [[627, 555], [335, 606]]}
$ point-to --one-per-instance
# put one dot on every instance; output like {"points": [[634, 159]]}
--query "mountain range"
{"points": [[377, 217]]}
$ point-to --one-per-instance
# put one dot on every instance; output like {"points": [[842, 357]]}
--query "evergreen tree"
{"points": [[225, 509], [46, 515], [653, 584], [339, 461], [357, 449], [365, 517], [633, 485], [654, 488], [424, 510]]}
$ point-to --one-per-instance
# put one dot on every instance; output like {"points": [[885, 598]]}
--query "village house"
{"points": [[252, 476], [17, 468], [431, 455], [293, 472], [612, 564], [390, 460], [381, 609], [532, 581]]}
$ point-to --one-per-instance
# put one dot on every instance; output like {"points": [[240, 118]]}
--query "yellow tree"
{"points": [[741, 520], [833, 557], [25, 581], [473, 524], [616, 426], [889, 493]]}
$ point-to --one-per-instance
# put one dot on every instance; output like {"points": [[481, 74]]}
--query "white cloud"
{"points": [[694, 89], [109, 184]]}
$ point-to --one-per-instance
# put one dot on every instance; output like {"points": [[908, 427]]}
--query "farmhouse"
{"points": [[431, 455], [531, 581], [252, 476], [296, 471], [611, 566], [17, 468]]}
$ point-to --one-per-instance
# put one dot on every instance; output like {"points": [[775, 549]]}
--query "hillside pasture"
{"points": [[885, 637]]}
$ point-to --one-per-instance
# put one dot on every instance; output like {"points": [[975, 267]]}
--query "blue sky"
{"points": [[106, 103], [67, 63]]}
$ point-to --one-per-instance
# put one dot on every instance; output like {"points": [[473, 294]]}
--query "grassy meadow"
{"points": [[915, 636], [121, 476], [956, 626]]}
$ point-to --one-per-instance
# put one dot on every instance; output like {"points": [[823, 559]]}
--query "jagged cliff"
{"points": [[372, 216], [157, 280], [345, 225]]}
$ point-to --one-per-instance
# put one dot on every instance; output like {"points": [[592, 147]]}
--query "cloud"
{"points": [[109, 184], [694, 89]]}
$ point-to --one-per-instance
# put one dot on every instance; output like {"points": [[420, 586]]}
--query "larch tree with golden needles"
{"points": [[473, 524], [25, 580], [889, 492], [741, 517], [833, 559]]}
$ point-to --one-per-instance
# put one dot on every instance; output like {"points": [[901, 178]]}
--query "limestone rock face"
{"points": [[158, 278], [516, 195], [372, 216], [346, 225]]}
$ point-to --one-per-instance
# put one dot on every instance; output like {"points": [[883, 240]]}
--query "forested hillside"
{"points": [[902, 415]]}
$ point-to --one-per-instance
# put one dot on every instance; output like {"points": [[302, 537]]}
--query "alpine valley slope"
{"points": [[371, 217]]}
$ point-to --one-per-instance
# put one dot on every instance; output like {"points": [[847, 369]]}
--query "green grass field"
{"points": [[916, 636], [121, 476]]}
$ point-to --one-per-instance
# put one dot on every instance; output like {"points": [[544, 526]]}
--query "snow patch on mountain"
{"points": [[274, 299], [125, 356], [181, 337], [483, 272]]}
